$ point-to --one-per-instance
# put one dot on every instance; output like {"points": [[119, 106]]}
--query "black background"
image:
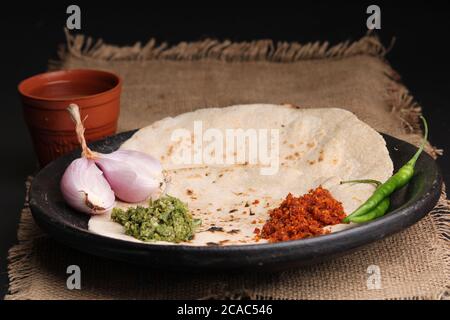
{"points": [[30, 34]]}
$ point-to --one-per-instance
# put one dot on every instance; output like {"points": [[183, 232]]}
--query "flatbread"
{"points": [[316, 147]]}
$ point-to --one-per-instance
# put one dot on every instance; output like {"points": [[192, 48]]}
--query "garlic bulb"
{"points": [[133, 176], [85, 188]]}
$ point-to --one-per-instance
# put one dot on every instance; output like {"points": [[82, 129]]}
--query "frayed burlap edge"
{"points": [[84, 47], [20, 270], [441, 220], [401, 101]]}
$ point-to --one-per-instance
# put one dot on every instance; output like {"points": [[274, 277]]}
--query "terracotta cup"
{"points": [[46, 96]]}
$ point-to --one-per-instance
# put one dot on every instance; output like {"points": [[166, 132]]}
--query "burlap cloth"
{"points": [[161, 81]]}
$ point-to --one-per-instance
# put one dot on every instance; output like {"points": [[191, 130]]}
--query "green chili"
{"points": [[398, 180], [378, 211]]}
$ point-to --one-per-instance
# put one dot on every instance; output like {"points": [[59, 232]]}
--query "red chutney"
{"points": [[302, 217]]}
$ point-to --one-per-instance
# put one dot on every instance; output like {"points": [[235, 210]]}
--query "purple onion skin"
{"points": [[133, 176]]}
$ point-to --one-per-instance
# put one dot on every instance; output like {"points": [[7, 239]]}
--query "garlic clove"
{"points": [[84, 188]]}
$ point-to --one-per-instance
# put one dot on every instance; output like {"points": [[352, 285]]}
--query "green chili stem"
{"points": [[422, 145], [375, 182]]}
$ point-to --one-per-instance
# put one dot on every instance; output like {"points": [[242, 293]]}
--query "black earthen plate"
{"points": [[68, 226]]}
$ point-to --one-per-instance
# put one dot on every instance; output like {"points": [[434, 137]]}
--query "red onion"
{"points": [[132, 175], [85, 188]]}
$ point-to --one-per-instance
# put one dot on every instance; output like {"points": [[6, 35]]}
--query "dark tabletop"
{"points": [[31, 33]]}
